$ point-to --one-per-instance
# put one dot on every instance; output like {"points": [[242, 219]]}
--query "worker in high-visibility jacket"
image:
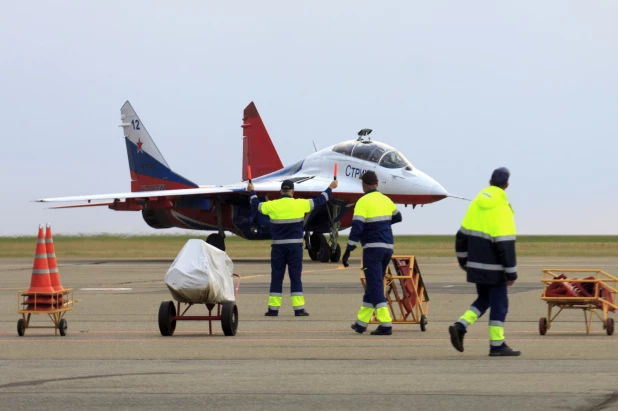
{"points": [[287, 216], [374, 213], [485, 247]]}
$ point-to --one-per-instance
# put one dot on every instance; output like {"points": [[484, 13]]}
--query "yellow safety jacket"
{"points": [[287, 215], [374, 214], [485, 243]]}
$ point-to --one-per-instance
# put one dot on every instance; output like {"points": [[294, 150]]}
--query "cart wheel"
{"points": [[423, 323], [167, 310], [62, 327], [609, 326], [542, 325], [229, 318], [21, 327]]}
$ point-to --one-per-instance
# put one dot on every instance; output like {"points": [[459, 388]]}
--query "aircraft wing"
{"points": [[145, 194], [302, 184]]}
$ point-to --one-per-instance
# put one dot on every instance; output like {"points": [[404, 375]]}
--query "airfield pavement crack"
{"points": [[40, 382], [613, 398]]}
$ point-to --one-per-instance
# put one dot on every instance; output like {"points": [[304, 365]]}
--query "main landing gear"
{"points": [[321, 249], [218, 239]]}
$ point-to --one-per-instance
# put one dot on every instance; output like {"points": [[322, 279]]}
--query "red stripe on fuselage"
{"points": [[353, 197]]}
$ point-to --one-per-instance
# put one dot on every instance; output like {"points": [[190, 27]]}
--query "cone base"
{"points": [[41, 289]]}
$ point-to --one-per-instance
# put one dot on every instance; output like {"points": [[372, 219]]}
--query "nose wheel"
{"points": [[321, 249], [336, 256]]}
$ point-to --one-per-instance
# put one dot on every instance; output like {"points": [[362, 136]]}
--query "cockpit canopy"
{"points": [[380, 153]]}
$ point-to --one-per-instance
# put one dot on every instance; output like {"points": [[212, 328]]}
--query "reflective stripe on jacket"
{"points": [[287, 215], [374, 213], [485, 243]]}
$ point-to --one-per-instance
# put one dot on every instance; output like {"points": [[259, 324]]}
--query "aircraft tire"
{"points": [[316, 240], [336, 256], [216, 240], [313, 255], [325, 253]]}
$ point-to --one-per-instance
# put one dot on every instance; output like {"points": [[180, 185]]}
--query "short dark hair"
{"points": [[370, 178]]}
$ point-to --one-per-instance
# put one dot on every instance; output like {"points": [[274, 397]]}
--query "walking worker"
{"points": [[287, 215], [374, 213], [485, 246]]}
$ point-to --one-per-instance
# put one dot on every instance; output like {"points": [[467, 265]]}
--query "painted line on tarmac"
{"points": [[106, 289], [224, 340], [582, 334]]}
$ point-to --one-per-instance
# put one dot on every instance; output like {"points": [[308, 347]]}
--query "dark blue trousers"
{"points": [[375, 262], [282, 255], [494, 297]]}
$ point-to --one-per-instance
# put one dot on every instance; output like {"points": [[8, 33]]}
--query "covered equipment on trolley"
{"points": [[201, 274]]}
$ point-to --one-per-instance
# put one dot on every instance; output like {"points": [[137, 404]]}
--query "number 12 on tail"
{"points": [[135, 124]]}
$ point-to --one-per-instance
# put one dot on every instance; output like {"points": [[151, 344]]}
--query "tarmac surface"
{"points": [[114, 356]]}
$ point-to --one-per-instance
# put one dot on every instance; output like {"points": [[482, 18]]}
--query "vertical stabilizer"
{"points": [[149, 170], [258, 149]]}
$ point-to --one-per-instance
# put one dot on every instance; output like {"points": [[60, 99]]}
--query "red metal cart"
{"points": [[595, 292], [227, 313]]}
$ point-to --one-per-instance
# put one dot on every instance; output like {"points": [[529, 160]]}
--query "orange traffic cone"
{"points": [[40, 282], [54, 275]]}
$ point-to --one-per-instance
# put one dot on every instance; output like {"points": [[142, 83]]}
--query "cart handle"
{"points": [[237, 286]]}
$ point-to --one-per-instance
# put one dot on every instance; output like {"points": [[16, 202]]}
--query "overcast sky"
{"points": [[459, 87]]}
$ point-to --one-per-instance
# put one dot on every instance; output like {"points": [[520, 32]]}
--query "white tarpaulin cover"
{"points": [[201, 274]]}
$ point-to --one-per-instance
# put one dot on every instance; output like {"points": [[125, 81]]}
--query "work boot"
{"points": [[457, 332], [382, 331], [271, 313], [301, 313], [503, 351], [358, 328]]}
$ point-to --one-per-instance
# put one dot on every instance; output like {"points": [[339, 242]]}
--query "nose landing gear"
{"points": [[321, 249]]}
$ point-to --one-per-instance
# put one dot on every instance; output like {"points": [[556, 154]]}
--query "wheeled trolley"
{"points": [[597, 292], [227, 313], [405, 292], [55, 305]]}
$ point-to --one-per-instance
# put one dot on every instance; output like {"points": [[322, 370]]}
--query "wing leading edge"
{"points": [[144, 194]]}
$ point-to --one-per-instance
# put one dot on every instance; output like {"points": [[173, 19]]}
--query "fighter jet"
{"points": [[167, 199]]}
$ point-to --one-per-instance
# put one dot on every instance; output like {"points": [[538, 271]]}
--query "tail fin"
{"points": [[258, 150], [149, 170]]}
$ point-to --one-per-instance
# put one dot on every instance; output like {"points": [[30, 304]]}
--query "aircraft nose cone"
{"points": [[438, 192]]}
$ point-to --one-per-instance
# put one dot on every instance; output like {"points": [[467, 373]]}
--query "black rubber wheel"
{"points": [[62, 327], [313, 255], [423, 323], [325, 252], [336, 256], [21, 327], [609, 326], [167, 326], [316, 240], [216, 240], [320, 247], [542, 325], [229, 318]]}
